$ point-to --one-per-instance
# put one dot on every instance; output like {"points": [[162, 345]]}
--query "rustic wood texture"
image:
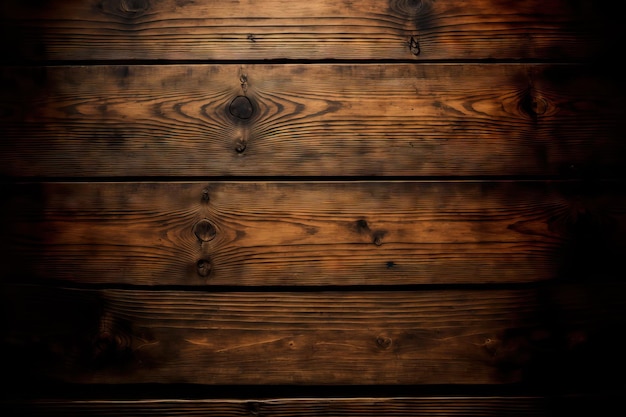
{"points": [[206, 203], [312, 120], [314, 233], [451, 406], [315, 29], [469, 336]]}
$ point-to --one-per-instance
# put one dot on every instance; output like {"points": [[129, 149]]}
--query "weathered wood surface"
{"points": [[155, 270], [471, 336], [311, 120], [315, 29], [451, 406], [314, 233]]}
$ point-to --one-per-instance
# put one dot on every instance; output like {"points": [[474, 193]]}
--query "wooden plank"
{"points": [[314, 233], [452, 406], [316, 29], [461, 337], [311, 120]]}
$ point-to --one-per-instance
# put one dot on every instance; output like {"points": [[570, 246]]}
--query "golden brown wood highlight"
{"points": [[471, 336], [311, 120], [444, 406], [324, 207], [315, 29], [314, 233]]}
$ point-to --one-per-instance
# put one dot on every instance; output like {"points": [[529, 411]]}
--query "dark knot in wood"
{"points": [[106, 342], [203, 267], [125, 9], [414, 46], [134, 8], [409, 8], [205, 196], [383, 342], [361, 226], [111, 346], [241, 107], [377, 237], [204, 230], [532, 105], [240, 146]]}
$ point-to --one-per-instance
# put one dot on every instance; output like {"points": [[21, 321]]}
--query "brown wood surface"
{"points": [[168, 246], [314, 29], [451, 406], [464, 336], [311, 120], [314, 233]]}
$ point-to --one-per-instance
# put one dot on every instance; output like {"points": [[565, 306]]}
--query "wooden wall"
{"points": [[278, 208]]}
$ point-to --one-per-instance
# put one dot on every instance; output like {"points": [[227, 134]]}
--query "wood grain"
{"points": [[452, 406], [154, 263], [480, 336], [311, 120], [314, 233], [316, 29]]}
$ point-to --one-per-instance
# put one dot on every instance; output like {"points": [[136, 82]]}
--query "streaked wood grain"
{"points": [[316, 29], [312, 120], [495, 406], [314, 233], [475, 336]]}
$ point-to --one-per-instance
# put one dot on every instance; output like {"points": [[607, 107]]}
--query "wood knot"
{"points": [[204, 267], [204, 230], [377, 237], [539, 106], [415, 4], [414, 46], [205, 197], [383, 342], [240, 146], [108, 346], [362, 227], [134, 8], [124, 9], [532, 105], [241, 108], [407, 7], [106, 341]]}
